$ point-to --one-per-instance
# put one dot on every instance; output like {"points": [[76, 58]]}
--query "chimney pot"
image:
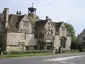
{"points": [[19, 12], [47, 17]]}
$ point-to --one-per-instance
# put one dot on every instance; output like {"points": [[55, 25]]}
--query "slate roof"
{"points": [[43, 22], [13, 21], [57, 24]]}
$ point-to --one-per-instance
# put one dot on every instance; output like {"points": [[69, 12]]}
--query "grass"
{"points": [[24, 55], [35, 54], [73, 51]]}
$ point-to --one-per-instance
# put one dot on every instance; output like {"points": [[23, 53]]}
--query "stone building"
{"points": [[52, 35], [81, 38], [45, 34], [27, 32], [62, 37]]}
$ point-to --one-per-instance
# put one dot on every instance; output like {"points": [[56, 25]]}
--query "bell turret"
{"points": [[32, 12]]}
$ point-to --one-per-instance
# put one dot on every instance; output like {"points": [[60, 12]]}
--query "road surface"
{"points": [[57, 59]]}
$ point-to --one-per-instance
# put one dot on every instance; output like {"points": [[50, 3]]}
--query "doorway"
{"points": [[21, 46]]}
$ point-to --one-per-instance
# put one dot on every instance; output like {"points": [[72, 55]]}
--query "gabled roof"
{"points": [[82, 32], [43, 22], [14, 21], [57, 25]]}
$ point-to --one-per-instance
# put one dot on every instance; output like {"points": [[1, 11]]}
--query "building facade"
{"points": [[45, 34], [81, 38], [52, 35], [62, 37], [26, 32]]}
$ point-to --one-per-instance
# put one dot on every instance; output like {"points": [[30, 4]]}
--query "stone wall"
{"points": [[17, 40], [57, 42], [68, 43]]}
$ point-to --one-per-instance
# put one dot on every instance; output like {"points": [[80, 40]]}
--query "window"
{"points": [[83, 38], [26, 23], [48, 47], [35, 36], [50, 30], [63, 28], [63, 43], [23, 36], [35, 47], [35, 28], [27, 48], [41, 35]]}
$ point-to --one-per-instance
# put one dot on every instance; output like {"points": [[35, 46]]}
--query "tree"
{"points": [[73, 45], [1, 41], [71, 30]]}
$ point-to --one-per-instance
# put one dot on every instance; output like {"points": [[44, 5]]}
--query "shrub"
{"points": [[27, 52]]}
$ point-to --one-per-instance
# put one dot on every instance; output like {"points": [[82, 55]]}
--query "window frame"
{"points": [[25, 23]]}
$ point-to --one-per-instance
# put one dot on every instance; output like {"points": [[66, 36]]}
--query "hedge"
{"points": [[26, 52]]}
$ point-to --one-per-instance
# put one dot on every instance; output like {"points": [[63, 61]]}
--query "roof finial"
{"points": [[32, 4]]}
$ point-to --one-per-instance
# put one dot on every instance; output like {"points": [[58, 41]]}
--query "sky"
{"points": [[71, 11]]}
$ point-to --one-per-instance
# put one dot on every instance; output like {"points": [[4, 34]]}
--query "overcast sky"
{"points": [[71, 11]]}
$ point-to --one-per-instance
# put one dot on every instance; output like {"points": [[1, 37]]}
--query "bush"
{"points": [[27, 52]]}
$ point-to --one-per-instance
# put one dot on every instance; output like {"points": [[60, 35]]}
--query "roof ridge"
{"points": [[13, 14], [17, 15], [57, 22]]}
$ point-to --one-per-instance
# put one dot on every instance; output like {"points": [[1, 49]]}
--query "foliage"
{"points": [[27, 52], [80, 47], [1, 41], [73, 45], [71, 30]]}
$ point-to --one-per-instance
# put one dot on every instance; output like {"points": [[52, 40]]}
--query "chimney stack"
{"points": [[6, 16], [18, 13]]}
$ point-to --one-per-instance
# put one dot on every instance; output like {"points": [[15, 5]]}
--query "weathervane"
{"points": [[32, 4]]}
